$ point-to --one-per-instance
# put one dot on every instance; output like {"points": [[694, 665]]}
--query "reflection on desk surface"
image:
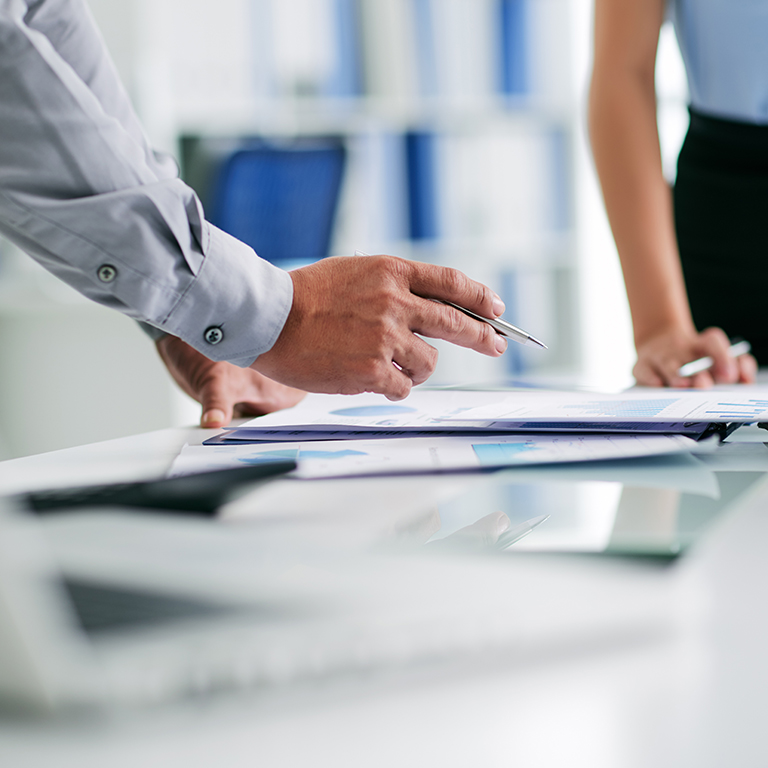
{"points": [[594, 516], [654, 506]]}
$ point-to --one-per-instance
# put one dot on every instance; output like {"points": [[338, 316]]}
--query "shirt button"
{"points": [[213, 335], [107, 273]]}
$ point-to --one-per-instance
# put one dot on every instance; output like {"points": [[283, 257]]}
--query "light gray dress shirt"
{"points": [[724, 44], [83, 193]]}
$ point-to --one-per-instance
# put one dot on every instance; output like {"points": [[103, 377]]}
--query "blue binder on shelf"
{"points": [[421, 169], [347, 77], [281, 199], [514, 75]]}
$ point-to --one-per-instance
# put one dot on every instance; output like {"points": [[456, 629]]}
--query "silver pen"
{"points": [[501, 326], [508, 538], [705, 363]]}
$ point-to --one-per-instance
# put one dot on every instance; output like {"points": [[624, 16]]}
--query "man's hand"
{"points": [[224, 390], [660, 357], [354, 322]]}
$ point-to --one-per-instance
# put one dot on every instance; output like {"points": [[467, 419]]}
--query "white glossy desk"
{"points": [[694, 695]]}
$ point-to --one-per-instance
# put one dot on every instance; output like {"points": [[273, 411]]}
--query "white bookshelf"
{"points": [[499, 176]]}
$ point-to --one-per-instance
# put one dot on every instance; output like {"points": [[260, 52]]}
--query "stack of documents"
{"points": [[430, 413], [418, 455], [455, 430]]}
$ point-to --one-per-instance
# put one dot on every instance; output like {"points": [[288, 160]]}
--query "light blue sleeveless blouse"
{"points": [[724, 44]]}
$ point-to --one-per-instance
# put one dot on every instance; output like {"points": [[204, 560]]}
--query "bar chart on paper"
{"points": [[428, 455], [623, 409], [707, 410], [751, 409], [746, 404], [648, 409]]}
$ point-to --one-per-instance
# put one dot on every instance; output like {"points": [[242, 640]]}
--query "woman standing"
{"points": [[695, 260]]}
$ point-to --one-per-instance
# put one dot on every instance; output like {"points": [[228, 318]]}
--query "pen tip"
{"points": [[540, 343]]}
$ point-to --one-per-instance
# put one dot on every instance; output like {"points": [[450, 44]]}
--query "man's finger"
{"points": [[217, 403], [452, 285], [417, 361], [393, 384], [439, 321]]}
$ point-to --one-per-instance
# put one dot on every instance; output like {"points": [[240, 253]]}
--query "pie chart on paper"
{"points": [[374, 410]]}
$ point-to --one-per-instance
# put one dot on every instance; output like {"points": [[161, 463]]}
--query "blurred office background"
{"points": [[461, 125]]}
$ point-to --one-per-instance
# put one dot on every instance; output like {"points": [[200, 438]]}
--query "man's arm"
{"points": [[352, 329], [625, 143], [83, 194]]}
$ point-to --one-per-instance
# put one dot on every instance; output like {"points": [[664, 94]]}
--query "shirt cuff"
{"points": [[237, 305], [154, 333]]}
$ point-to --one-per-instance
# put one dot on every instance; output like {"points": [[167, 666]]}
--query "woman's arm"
{"points": [[625, 143]]}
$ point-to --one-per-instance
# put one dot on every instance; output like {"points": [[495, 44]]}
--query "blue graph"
{"points": [[494, 454], [624, 409], [342, 454], [296, 454], [749, 408], [291, 453], [374, 410]]}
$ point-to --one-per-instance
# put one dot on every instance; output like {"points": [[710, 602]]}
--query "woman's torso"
{"points": [[724, 44]]}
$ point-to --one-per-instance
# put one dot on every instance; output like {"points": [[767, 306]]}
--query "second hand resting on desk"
{"points": [[500, 325]]}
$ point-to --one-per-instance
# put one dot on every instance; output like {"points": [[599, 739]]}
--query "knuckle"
{"points": [[386, 266], [455, 322], [481, 294], [378, 264], [425, 369], [366, 370], [432, 357], [387, 302], [373, 373], [716, 336], [399, 389], [487, 335], [454, 281], [385, 333]]}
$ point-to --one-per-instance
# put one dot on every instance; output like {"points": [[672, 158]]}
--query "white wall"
{"points": [[71, 371]]}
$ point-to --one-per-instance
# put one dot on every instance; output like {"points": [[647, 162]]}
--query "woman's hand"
{"points": [[659, 358]]}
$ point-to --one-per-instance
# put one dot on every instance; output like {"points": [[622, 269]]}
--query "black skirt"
{"points": [[721, 219]]}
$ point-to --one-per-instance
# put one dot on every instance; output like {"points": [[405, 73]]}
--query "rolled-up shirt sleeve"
{"points": [[83, 194]]}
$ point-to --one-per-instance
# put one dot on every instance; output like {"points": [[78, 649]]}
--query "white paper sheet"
{"points": [[340, 417], [422, 409], [745, 404], [418, 455]]}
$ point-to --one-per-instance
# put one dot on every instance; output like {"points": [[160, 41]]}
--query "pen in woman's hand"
{"points": [[736, 349]]}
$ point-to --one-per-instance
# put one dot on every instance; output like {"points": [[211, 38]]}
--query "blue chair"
{"points": [[281, 199]]}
